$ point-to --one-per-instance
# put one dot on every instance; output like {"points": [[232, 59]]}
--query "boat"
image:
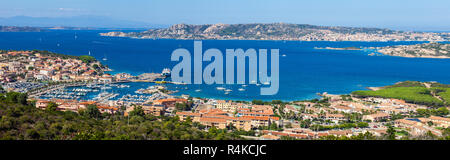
{"points": [[165, 72], [160, 82], [244, 85], [220, 88], [198, 90], [241, 89], [227, 93], [179, 83], [228, 90], [257, 84], [267, 82], [104, 58], [283, 55]]}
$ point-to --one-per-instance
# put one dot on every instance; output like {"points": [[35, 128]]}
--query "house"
{"points": [[156, 110], [290, 108], [210, 117], [440, 121], [229, 106], [106, 79], [334, 117], [184, 114], [219, 123], [107, 109], [342, 108], [269, 137], [376, 117], [42, 104], [169, 102]]}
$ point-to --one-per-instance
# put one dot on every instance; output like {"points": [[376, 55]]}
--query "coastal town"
{"points": [[45, 77], [279, 31]]}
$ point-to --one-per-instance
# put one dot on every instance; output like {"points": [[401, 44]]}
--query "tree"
{"points": [[182, 106], [257, 102], [96, 67], [87, 59], [391, 133], [52, 106], [423, 112], [273, 126], [277, 102], [137, 111], [363, 124], [92, 111], [2, 90], [22, 99], [441, 111]]}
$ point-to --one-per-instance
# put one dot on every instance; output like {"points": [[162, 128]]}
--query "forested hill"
{"points": [[20, 119]]}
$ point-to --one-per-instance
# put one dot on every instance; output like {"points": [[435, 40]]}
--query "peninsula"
{"points": [[426, 50], [19, 29], [279, 31]]}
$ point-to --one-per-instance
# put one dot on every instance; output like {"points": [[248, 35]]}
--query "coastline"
{"points": [[293, 40], [408, 56], [300, 94], [439, 50]]}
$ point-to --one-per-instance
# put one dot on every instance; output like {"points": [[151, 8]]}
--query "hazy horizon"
{"points": [[433, 15]]}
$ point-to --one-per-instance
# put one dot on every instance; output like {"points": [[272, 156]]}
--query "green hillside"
{"points": [[412, 92]]}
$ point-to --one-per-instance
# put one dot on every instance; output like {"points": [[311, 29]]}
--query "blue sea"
{"points": [[304, 71]]}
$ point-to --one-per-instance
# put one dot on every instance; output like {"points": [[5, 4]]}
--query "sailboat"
{"points": [[104, 58], [89, 53]]}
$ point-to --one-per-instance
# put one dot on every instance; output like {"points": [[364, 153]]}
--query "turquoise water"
{"points": [[304, 71]]}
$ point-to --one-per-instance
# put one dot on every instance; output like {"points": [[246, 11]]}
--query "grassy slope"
{"points": [[445, 96], [417, 95], [412, 92]]}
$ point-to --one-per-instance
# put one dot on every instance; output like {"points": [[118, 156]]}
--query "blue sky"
{"points": [[425, 14]]}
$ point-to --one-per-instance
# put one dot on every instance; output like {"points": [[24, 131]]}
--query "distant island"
{"points": [[19, 29], [426, 50], [280, 31], [345, 48]]}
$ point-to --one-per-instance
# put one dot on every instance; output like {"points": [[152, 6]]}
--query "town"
{"points": [[40, 73]]}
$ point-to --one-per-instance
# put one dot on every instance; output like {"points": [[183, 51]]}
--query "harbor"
{"points": [[122, 91]]}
